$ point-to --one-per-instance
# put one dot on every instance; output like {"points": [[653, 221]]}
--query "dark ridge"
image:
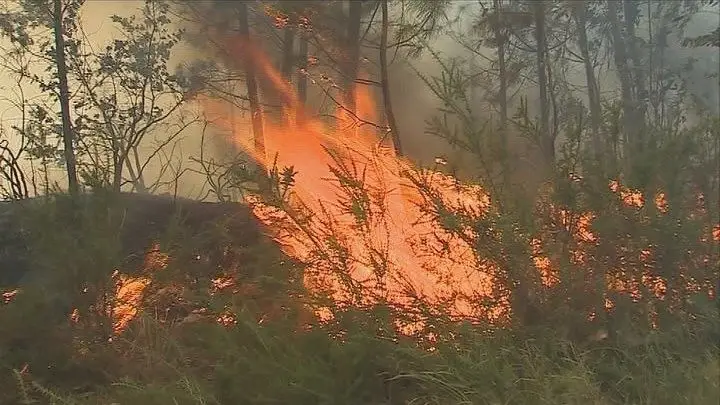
{"points": [[139, 220]]}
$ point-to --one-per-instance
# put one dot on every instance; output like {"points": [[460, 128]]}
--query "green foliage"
{"points": [[121, 95]]}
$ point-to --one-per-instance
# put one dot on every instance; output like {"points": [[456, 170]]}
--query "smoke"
{"points": [[413, 103]]}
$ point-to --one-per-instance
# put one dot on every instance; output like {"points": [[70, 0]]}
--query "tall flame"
{"points": [[366, 213], [368, 238]]}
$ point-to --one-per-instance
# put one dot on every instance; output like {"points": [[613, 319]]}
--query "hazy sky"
{"points": [[95, 17]]}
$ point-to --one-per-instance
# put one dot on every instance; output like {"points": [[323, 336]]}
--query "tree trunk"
{"points": [[593, 93], [500, 39], [499, 32], [302, 79], [138, 178], [637, 70], [288, 57], [250, 80], [546, 139], [135, 178], [118, 164], [64, 96], [288, 62], [352, 43], [390, 115], [621, 64]]}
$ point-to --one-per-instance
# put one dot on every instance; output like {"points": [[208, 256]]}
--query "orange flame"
{"points": [[129, 291], [366, 215], [634, 198], [368, 239]]}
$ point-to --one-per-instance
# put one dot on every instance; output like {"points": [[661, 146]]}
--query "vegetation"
{"points": [[590, 203]]}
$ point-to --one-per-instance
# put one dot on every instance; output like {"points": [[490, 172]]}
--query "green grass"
{"points": [[44, 358]]}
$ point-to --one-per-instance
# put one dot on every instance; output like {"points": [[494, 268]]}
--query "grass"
{"points": [[269, 356]]}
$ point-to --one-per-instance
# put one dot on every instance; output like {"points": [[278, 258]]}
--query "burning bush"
{"points": [[373, 229]]}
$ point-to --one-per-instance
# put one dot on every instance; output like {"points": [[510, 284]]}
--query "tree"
{"points": [[631, 17], [579, 11], [630, 126], [126, 93], [59, 30], [250, 79], [352, 46], [547, 140], [288, 52], [60, 17], [385, 80], [302, 78], [499, 31], [119, 95], [294, 18]]}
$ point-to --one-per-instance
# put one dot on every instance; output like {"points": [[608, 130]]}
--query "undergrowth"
{"points": [[271, 351]]}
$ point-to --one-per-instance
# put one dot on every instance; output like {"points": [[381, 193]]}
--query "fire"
{"points": [[661, 202], [357, 215], [368, 239], [128, 296], [634, 198], [226, 318], [129, 291], [8, 296]]}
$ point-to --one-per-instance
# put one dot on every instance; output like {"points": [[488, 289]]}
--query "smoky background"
{"points": [[413, 103]]}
